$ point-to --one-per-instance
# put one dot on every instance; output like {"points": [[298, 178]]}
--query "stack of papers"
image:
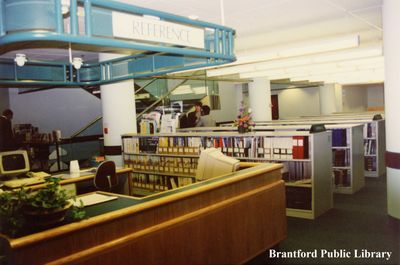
{"points": [[93, 198]]}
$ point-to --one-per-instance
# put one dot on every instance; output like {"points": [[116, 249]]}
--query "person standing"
{"points": [[206, 119], [194, 116], [7, 141]]}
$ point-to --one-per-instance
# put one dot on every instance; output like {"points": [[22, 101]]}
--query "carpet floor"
{"points": [[357, 225]]}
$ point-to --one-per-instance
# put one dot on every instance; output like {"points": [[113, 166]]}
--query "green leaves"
{"points": [[13, 203], [51, 197]]}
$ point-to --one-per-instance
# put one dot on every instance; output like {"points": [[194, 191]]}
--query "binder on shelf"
{"points": [[339, 137], [342, 177], [300, 147]]}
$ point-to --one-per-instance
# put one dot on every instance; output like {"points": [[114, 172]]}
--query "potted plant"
{"points": [[24, 207], [11, 205]]}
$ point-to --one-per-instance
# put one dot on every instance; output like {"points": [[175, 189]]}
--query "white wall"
{"points": [[354, 98], [229, 108], [67, 109], [298, 102], [375, 95]]}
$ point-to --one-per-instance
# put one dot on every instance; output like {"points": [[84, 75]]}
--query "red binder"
{"points": [[300, 147]]}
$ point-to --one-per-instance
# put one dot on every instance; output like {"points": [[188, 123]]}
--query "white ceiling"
{"points": [[270, 24]]}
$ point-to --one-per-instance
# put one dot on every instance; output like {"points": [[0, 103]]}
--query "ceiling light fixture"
{"points": [[360, 76], [366, 51], [310, 69], [301, 48], [287, 51], [77, 62], [65, 7], [20, 59]]}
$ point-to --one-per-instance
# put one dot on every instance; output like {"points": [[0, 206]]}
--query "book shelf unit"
{"points": [[347, 152], [374, 136], [347, 157], [306, 157], [158, 164], [374, 148]]}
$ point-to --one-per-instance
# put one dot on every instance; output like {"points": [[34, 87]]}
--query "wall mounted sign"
{"points": [[148, 29]]}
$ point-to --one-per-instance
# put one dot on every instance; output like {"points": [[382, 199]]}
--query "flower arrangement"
{"points": [[244, 121]]}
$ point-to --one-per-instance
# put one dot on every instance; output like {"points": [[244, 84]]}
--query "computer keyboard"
{"points": [[17, 183]]}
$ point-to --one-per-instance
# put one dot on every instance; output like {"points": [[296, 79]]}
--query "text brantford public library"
{"points": [[331, 254]]}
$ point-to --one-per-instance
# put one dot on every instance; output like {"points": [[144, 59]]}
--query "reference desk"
{"points": [[225, 220]]}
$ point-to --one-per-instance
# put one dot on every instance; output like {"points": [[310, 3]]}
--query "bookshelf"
{"points": [[374, 148], [347, 157], [159, 163], [306, 159], [374, 135], [347, 152]]}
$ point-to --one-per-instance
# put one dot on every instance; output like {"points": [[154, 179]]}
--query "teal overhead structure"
{"points": [[166, 44]]}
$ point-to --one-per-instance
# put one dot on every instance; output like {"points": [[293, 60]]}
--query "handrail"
{"points": [[160, 99], [148, 84], [86, 127], [157, 59], [80, 139]]}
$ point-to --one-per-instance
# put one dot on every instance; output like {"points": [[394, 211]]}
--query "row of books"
{"points": [[181, 165], [370, 147], [294, 171], [342, 177], [157, 183], [295, 147], [341, 157], [339, 137], [162, 145], [154, 183], [370, 163], [370, 130], [148, 126]]}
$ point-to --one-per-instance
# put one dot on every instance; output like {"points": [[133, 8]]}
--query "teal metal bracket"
{"points": [[25, 23]]}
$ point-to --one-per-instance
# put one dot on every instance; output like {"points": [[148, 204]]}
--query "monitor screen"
{"points": [[213, 163], [14, 162]]}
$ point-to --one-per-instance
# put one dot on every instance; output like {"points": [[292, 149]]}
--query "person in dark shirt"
{"points": [[194, 116], [206, 120], [7, 141]]}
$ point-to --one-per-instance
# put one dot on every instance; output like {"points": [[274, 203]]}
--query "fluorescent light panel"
{"points": [[361, 76], [290, 72], [361, 52], [298, 49]]}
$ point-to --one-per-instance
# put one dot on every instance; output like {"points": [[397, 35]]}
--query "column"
{"points": [[330, 99], [260, 99], [391, 20], [119, 114]]}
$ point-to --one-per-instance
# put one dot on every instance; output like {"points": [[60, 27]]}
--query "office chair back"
{"points": [[105, 178]]}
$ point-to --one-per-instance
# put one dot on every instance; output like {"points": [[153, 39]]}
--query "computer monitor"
{"points": [[14, 162], [213, 163]]}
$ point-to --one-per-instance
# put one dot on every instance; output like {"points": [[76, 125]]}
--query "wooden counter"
{"points": [[83, 177], [225, 220]]}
